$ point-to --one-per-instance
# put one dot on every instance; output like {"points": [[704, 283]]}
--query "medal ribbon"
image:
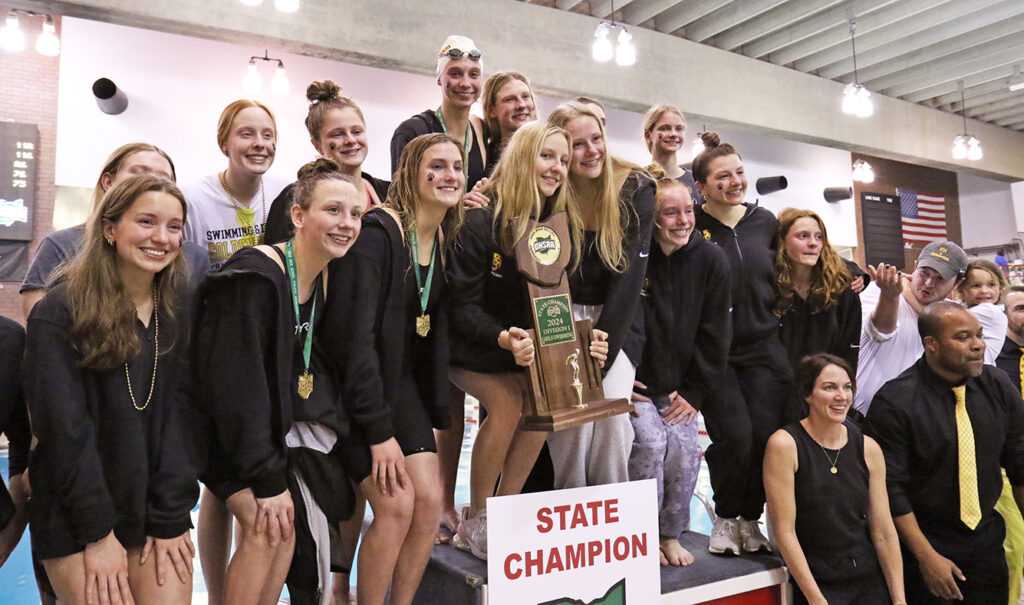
{"points": [[293, 280], [465, 145], [423, 288]]}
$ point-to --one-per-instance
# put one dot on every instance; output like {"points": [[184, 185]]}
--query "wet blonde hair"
{"points": [[614, 212], [513, 187], [404, 193]]}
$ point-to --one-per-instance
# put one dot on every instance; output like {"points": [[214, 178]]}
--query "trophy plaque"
{"points": [[565, 380]]}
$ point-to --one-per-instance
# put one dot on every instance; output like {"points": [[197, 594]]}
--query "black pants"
{"points": [[749, 406], [978, 554]]}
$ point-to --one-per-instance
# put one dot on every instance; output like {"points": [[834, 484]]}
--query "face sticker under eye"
{"points": [[332, 146], [430, 176]]}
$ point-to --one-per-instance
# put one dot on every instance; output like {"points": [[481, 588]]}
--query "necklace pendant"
{"points": [[834, 470], [423, 325], [306, 385]]}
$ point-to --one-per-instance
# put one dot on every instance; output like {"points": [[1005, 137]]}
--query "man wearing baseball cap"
{"points": [[889, 341]]}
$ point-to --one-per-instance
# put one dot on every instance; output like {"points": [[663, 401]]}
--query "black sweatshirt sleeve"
{"points": [[624, 288], [173, 490], [407, 131], [13, 412], [61, 421], [235, 344], [713, 337], [356, 284], [467, 273], [848, 318]]}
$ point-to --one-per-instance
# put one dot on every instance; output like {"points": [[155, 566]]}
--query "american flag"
{"points": [[924, 216]]}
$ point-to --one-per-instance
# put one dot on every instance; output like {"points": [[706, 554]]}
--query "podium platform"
{"points": [[454, 577]]}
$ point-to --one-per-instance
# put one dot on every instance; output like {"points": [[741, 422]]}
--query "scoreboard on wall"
{"points": [[19, 152]]}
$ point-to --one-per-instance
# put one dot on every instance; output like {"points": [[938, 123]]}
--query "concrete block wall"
{"points": [[30, 96]]}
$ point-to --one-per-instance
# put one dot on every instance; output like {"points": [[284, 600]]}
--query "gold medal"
{"points": [[305, 384], [423, 325]]}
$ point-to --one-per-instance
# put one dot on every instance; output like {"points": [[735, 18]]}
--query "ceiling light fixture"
{"points": [[11, 36], [252, 83], [48, 44], [602, 50], [965, 145], [856, 98], [286, 6], [1017, 83], [862, 172]]}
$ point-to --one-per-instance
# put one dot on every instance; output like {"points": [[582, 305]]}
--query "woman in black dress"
{"points": [[390, 345], [825, 482], [105, 352]]}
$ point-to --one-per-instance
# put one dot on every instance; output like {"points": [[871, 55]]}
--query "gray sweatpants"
{"points": [[670, 454], [597, 453]]}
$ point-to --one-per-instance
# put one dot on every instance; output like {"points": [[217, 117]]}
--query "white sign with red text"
{"points": [[586, 546]]}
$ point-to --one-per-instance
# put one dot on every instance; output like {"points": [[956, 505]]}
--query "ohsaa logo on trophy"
{"points": [[544, 245]]}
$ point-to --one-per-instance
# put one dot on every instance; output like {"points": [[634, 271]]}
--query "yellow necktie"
{"points": [[970, 509], [1021, 370]]}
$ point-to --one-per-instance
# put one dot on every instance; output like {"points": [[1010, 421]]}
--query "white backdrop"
{"points": [[177, 87]]}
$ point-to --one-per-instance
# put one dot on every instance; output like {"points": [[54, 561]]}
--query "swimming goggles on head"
{"points": [[458, 53]]}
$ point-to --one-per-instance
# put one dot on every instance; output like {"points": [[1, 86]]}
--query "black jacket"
{"points": [[835, 330], [365, 330], [100, 464], [13, 413], [685, 302], [594, 284], [279, 219], [750, 248], [426, 122], [242, 360], [488, 295]]}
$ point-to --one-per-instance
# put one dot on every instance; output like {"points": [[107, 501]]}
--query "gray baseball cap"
{"points": [[946, 257]]}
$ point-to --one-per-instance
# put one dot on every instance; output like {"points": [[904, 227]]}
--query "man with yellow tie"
{"points": [[947, 425], [1011, 360]]}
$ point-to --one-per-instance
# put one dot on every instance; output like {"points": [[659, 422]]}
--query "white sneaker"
{"points": [[753, 539], [725, 536], [471, 535]]}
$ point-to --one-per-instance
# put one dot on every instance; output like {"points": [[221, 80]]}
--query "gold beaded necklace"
{"points": [[156, 356], [241, 211]]}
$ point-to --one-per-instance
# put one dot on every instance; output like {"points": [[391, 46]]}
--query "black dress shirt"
{"points": [[913, 418], [1009, 361]]}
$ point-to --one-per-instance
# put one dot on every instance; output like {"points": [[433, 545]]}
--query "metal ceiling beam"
{"points": [[685, 13], [948, 101], [834, 29], [638, 12], [567, 4], [994, 116], [1010, 99], [944, 23], [1011, 121], [785, 16], [736, 13], [913, 77], [603, 9], [949, 87], [809, 28]]}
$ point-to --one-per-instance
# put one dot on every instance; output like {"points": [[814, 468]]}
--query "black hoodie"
{"points": [[750, 248]]}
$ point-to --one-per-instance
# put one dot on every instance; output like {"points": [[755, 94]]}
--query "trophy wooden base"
{"points": [[567, 418]]}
